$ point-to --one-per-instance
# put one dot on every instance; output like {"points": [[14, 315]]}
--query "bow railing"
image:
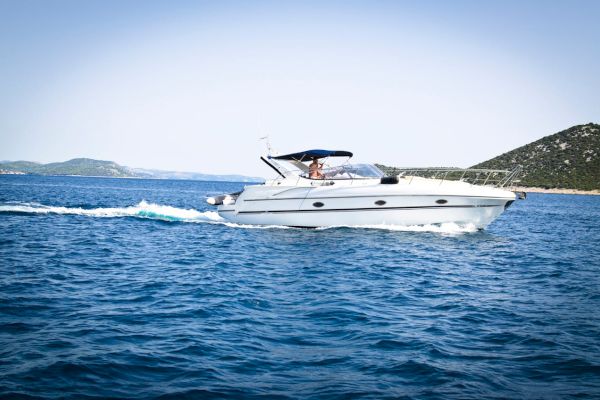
{"points": [[474, 176]]}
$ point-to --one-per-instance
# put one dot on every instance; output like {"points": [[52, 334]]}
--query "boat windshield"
{"points": [[352, 171]]}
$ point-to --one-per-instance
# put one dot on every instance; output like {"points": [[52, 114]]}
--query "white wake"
{"points": [[140, 210], [168, 213]]}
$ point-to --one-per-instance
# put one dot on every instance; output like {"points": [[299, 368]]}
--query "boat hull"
{"points": [[382, 209]]}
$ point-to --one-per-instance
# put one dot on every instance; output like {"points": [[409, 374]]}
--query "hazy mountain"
{"points": [[76, 166], [20, 166], [90, 167], [159, 174], [569, 159]]}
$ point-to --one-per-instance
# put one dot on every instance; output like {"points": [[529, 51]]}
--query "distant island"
{"points": [[569, 159], [90, 167]]}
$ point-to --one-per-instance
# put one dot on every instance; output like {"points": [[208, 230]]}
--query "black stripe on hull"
{"points": [[362, 209], [379, 195]]}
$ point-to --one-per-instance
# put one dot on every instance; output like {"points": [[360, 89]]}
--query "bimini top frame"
{"points": [[310, 154]]}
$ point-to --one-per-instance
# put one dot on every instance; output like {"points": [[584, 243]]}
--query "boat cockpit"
{"points": [[349, 171], [297, 165]]}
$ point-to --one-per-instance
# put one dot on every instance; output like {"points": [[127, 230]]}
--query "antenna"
{"points": [[267, 140]]}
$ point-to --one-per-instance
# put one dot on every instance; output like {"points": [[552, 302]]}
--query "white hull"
{"points": [[418, 202]]}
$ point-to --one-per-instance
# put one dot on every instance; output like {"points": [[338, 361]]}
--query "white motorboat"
{"points": [[361, 195]]}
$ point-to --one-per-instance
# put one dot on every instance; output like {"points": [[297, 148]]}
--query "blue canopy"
{"points": [[310, 154]]}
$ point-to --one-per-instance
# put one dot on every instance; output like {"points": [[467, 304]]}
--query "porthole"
{"points": [[318, 204], [441, 201], [380, 202]]}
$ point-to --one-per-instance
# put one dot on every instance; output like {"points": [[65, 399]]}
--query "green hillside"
{"points": [[76, 166], [90, 167], [20, 166], [569, 159]]}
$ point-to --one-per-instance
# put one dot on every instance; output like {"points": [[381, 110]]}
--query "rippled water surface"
{"points": [[136, 289]]}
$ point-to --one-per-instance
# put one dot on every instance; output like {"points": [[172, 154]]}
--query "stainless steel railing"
{"points": [[484, 177]]}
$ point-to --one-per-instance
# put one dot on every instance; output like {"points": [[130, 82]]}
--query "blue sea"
{"points": [[123, 288]]}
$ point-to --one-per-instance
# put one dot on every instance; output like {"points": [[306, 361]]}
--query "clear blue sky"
{"points": [[191, 85]]}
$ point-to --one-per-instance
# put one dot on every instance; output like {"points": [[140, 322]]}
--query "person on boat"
{"points": [[315, 170]]}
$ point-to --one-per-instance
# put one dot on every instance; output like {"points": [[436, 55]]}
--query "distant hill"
{"points": [[195, 176], [76, 166], [90, 167], [569, 159]]}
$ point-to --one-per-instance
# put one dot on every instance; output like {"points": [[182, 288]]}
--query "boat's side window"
{"points": [[441, 201]]}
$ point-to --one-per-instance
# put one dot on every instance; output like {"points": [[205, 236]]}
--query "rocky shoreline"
{"points": [[555, 190]]}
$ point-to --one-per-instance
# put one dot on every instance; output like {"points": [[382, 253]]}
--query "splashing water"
{"points": [[142, 210], [445, 228], [173, 214]]}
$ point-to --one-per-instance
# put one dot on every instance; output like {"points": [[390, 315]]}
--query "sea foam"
{"points": [[141, 210], [445, 228], [168, 213]]}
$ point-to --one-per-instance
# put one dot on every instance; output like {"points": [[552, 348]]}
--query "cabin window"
{"points": [[441, 201], [380, 202], [318, 204]]}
